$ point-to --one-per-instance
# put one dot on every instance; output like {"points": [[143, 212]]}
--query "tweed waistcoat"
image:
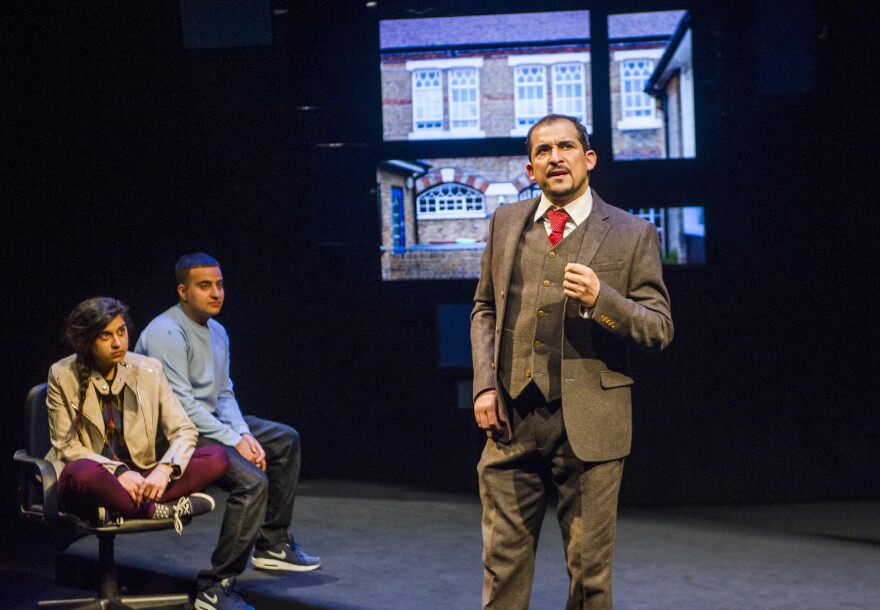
{"points": [[531, 343]]}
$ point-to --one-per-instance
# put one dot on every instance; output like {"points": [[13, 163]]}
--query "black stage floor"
{"points": [[387, 547]]}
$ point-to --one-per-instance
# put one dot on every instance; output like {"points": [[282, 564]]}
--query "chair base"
{"points": [[180, 601]]}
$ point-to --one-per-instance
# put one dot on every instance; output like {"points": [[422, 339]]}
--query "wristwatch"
{"points": [[175, 470]]}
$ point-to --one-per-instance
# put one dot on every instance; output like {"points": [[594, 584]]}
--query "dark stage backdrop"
{"points": [[125, 150]]}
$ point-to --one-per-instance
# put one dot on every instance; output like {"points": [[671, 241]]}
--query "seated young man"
{"points": [[264, 456]]}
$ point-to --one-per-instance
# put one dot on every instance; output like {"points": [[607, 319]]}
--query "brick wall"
{"points": [[431, 264], [396, 100], [497, 99]]}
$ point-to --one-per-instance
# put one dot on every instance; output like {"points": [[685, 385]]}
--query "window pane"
{"points": [[451, 199], [464, 111], [531, 95], [569, 91], [427, 100]]}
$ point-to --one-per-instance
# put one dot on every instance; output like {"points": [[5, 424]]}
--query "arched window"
{"points": [[529, 192], [451, 200]]}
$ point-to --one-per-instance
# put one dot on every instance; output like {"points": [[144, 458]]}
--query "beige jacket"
{"points": [[148, 405]]}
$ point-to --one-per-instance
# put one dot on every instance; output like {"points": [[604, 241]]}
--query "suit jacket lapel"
{"points": [[595, 231], [511, 234]]}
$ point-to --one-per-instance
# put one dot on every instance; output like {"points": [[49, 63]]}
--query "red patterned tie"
{"points": [[557, 224]]}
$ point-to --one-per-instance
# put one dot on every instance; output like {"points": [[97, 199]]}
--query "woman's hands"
{"points": [[146, 489]]}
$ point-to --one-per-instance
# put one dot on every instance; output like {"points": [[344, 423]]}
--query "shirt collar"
{"points": [[578, 209]]}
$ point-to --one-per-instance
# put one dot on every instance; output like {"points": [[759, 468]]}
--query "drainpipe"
{"points": [[664, 108]]}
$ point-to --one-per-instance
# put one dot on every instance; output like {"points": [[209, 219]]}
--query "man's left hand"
{"points": [[581, 283]]}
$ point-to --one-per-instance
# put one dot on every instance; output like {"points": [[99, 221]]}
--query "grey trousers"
{"points": [[259, 508], [515, 480]]}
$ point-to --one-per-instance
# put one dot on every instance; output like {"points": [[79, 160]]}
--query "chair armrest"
{"points": [[39, 474]]}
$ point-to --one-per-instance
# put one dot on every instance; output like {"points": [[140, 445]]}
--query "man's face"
{"points": [[558, 162], [111, 345], [202, 295]]}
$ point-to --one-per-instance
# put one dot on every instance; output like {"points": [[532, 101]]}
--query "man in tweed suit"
{"points": [[568, 284]]}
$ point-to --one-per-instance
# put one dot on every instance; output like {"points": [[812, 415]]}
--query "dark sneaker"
{"points": [[283, 556], [221, 597], [105, 518], [195, 504], [185, 506]]}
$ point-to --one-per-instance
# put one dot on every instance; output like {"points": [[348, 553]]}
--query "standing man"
{"points": [[264, 456], [567, 284]]}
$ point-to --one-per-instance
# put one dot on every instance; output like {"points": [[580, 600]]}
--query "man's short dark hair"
{"points": [[553, 118], [192, 261]]}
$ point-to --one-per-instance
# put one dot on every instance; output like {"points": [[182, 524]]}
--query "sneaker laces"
{"points": [[183, 507]]}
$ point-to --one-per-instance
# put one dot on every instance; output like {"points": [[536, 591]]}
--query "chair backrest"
{"points": [[37, 422]]}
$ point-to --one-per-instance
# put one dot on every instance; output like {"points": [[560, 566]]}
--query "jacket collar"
{"points": [[126, 375]]}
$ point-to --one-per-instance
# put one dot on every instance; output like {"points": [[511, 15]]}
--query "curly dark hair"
{"points": [[84, 326]]}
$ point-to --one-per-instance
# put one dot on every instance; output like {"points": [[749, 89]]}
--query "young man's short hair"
{"points": [[192, 261]]}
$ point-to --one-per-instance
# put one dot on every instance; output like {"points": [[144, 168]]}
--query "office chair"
{"points": [[38, 502]]}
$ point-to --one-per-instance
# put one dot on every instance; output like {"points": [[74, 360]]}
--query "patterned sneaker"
{"points": [[185, 506], [284, 556], [221, 597]]}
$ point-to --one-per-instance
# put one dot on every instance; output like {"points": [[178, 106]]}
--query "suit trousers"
{"points": [[259, 508], [516, 481]]}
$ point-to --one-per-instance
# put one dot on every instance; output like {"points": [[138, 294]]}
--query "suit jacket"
{"points": [[632, 310], [148, 404]]}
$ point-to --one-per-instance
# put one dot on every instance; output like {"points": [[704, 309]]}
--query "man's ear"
{"points": [[530, 171], [591, 159], [181, 292]]}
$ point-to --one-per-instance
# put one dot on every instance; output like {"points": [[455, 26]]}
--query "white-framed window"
{"points": [[569, 91], [638, 110], [634, 73], [446, 98], [536, 76], [450, 200], [427, 90], [464, 98], [530, 95]]}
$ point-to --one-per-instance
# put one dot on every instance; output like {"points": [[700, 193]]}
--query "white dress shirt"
{"points": [[577, 211]]}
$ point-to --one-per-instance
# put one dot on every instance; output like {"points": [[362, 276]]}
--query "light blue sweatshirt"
{"points": [[196, 363]]}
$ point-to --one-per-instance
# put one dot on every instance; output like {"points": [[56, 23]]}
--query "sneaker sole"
{"points": [[273, 564]]}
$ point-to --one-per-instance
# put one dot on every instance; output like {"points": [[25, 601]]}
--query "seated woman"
{"points": [[106, 407]]}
